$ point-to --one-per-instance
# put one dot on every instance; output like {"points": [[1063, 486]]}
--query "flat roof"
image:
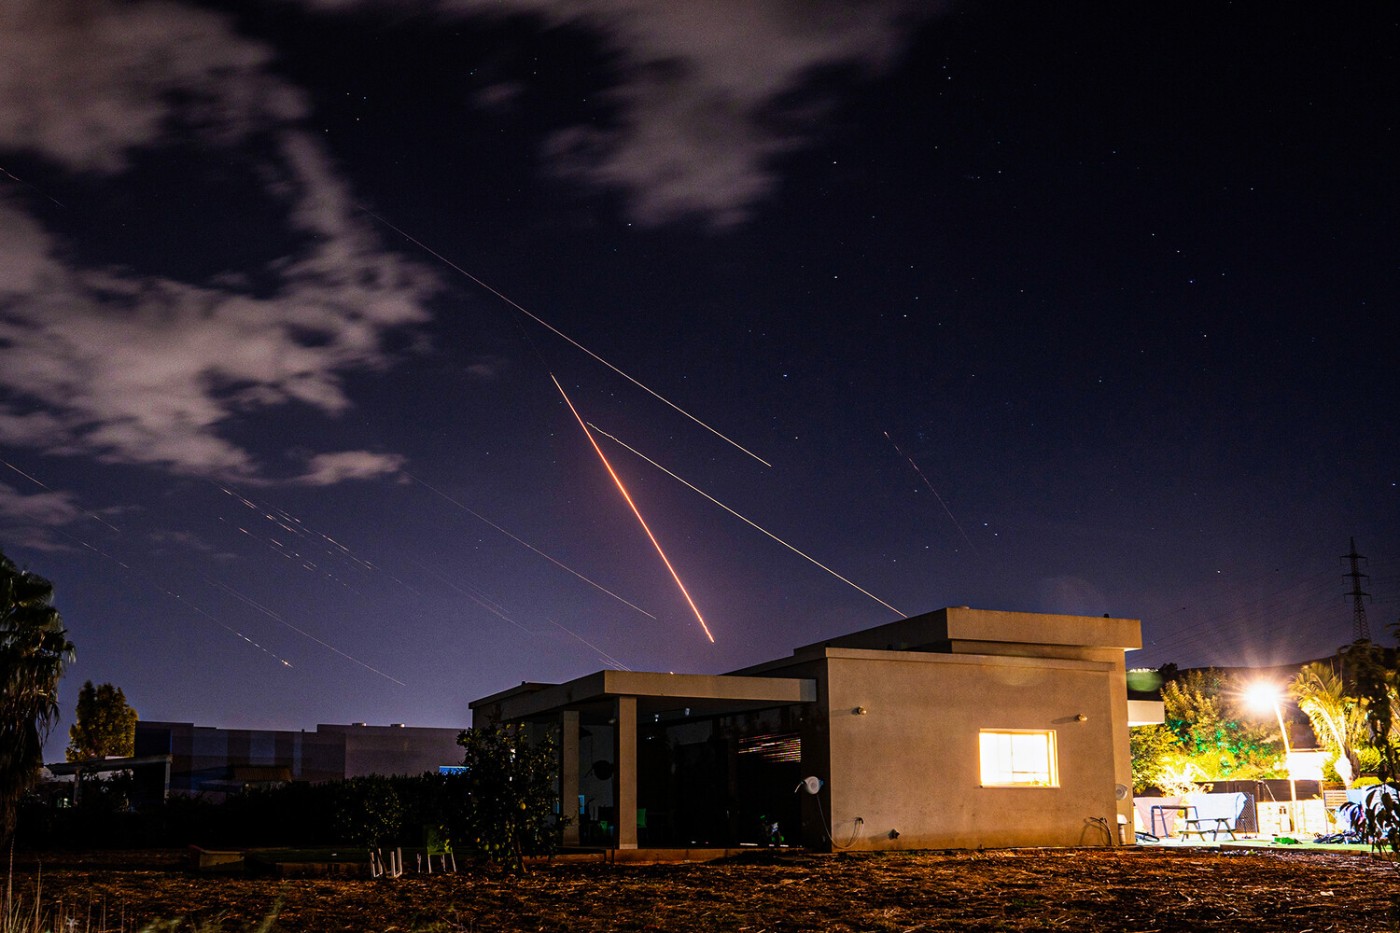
{"points": [[960, 623], [655, 693]]}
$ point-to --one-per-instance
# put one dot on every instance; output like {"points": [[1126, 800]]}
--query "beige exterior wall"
{"points": [[896, 717], [910, 762]]}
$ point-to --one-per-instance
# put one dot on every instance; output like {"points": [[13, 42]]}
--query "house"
{"points": [[959, 728], [203, 759]]}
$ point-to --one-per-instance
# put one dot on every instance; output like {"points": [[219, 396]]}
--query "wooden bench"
{"points": [[1212, 813]]}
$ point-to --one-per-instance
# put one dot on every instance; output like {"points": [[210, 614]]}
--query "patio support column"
{"points": [[568, 776], [625, 775]]}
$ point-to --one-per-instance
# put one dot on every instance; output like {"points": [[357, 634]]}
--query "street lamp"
{"points": [[1262, 695]]}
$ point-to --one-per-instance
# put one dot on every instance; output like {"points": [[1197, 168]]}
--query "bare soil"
{"points": [[1043, 889]]}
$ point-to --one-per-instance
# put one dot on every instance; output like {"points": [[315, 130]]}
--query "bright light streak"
{"points": [[746, 521], [490, 605], [932, 490], [601, 653], [280, 518], [36, 482], [477, 515], [635, 511], [302, 632], [10, 175], [558, 333], [178, 598]]}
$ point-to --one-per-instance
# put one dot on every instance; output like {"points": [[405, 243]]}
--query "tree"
{"points": [[1220, 739], [104, 725], [33, 650], [510, 781], [1372, 674], [1338, 718]]}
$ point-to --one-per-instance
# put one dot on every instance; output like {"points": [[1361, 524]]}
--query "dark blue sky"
{"points": [[1119, 283]]}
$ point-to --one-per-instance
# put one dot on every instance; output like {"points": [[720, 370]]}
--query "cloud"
{"points": [[27, 518], [144, 368], [700, 100], [328, 469], [704, 90], [84, 83], [46, 508]]}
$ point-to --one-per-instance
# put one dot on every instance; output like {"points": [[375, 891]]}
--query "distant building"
{"points": [[959, 728], [204, 759]]}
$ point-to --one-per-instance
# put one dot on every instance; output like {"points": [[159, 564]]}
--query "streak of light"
{"points": [[41, 485], [932, 490], [490, 605], [275, 547], [746, 521], [562, 566], [557, 332], [635, 511], [601, 653], [497, 610], [302, 632], [280, 518], [178, 598], [10, 175]]}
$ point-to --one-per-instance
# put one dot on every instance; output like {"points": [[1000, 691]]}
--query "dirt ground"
{"points": [[1043, 889]]}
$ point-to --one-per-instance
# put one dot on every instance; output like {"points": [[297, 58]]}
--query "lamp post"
{"points": [[1263, 695]]}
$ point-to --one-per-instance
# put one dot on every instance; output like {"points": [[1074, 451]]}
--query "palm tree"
{"points": [[1338, 720], [33, 650]]}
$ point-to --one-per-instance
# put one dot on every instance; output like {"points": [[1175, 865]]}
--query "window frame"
{"points": [[1052, 754]]}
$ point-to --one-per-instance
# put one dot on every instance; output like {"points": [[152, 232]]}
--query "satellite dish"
{"points": [[810, 784], [602, 770], [1120, 792]]}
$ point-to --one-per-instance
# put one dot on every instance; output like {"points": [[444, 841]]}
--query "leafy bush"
{"points": [[510, 781]]}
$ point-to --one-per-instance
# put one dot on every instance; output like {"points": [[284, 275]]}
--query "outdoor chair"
{"points": [[1212, 813]]}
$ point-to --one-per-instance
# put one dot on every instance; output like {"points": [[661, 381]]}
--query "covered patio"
{"points": [[669, 760]]}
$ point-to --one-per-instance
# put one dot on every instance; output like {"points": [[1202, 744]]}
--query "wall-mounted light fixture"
{"points": [[859, 711], [1080, 717]]}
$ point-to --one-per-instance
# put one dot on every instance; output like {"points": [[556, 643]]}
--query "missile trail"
{"points": [[280, 518], [635, 511], [603, 655], [490, 605], [11, 175], [746, 521], [177, 597], [302, 632], [477, 515], [41, 485], [932, 490], [563, 336]]}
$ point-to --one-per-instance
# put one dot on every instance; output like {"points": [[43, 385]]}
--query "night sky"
{"points": [[1057, 307]]}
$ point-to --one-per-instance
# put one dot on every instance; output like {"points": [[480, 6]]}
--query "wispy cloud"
{"points": [[143, 368], [328, 469], [139, 366], [706, 92], [26, 519], [87, 82]]}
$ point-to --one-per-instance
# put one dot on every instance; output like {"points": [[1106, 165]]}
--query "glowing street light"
{"points": [[1261, 695]]}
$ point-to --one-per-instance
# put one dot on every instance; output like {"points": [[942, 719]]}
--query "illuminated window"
{"points": [[1018, 758]]}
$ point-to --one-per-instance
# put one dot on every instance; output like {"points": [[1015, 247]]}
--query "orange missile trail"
{"points": [[635, 511], [523, 543], [746, 521], [563, 336]]}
